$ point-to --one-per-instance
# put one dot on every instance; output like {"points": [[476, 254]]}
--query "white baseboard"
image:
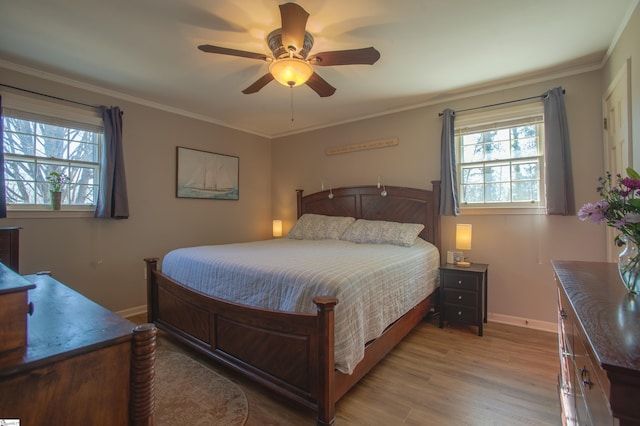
{"points": [[126, 313], [523, 322]]}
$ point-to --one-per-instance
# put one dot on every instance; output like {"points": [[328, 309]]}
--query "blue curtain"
{"points": [[558, 172], [449, 202], [3, 190], [112, 200]]}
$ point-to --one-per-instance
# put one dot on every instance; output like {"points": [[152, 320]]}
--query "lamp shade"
{"points": [[463, 236], [277, 228], [291, 72]]}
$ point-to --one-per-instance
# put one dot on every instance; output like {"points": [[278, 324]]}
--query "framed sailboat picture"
{"points": [[202, 174]]}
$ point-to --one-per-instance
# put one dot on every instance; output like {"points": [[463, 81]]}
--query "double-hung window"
{"points": [[42, 137], [501, 157]]}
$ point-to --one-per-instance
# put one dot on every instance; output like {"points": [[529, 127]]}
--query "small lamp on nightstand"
{"points": [[277, 228], [463, 241]]}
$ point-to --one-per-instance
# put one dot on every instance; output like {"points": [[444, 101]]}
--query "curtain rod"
{"points": [[49, 96], [500, 103]]}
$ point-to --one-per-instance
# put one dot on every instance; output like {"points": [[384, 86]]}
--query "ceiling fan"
{"points": [[291, 64]]}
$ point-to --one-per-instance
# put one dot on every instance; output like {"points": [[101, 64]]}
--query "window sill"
{"points": [[478, 211], [49, 214]]}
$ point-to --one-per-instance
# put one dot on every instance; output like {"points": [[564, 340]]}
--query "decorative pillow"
{"points": [[320, 227], [382, 232]]}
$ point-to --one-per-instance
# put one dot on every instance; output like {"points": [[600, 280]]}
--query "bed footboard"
{"points": [[276, 349]]}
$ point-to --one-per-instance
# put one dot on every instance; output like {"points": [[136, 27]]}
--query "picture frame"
{"points": [[203, 174]]}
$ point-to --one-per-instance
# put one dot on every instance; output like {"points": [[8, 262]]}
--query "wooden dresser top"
{"points": [[608, 314], [10, 282], [64, 323]]}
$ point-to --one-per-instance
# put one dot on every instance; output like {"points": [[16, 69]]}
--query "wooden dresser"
{"points": [[82, 364], [10, 246], [599, 345]]}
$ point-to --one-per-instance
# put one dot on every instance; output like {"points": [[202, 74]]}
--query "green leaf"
{"points": [[632, 173]]}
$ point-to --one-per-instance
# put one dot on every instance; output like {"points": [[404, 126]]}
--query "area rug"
{"points": [[189, 393]]}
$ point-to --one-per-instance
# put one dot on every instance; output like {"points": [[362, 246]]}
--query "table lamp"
{"points": [[463, 241], [277, 228]]}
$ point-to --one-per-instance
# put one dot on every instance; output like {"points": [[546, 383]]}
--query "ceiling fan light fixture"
{"points": [[291, 72]]}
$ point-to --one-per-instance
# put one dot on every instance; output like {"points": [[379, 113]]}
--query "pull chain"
{"points": [[291, 87]]}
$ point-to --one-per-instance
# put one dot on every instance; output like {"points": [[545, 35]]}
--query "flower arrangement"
{"points": [[620, 209], [56, 180]]}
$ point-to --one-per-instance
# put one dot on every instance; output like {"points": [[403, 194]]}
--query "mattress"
{"points": [[375, 284]]}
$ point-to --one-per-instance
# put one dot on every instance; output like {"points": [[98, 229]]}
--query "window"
{"points": [[43, 137], [500, 158]]}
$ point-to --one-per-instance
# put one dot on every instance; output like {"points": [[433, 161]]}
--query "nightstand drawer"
{"points": [[460, 297], [461, 281], [461, 313]]}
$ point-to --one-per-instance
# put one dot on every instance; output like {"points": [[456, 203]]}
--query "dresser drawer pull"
{"points": [[30, 308], [584, 372], [459, 297], [460, 282], [459, 313]]}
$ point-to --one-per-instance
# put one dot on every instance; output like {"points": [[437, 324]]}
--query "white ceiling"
{"points": [[430, 50]]}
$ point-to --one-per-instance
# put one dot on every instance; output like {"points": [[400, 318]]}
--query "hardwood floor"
{"points": [[438, 376]]}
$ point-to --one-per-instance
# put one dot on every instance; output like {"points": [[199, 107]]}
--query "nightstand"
{"points": [[463, 294]]}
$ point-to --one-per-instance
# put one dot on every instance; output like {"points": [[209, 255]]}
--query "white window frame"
{"points": [[494, 118], [65, 113]]}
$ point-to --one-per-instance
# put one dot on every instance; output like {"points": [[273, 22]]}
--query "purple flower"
{"points": [[594, 212], [631, 183], [628, 219], [619, 206]]}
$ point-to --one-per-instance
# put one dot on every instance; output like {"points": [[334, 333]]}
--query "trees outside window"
{"points": [[501, 164], [35, 146]]}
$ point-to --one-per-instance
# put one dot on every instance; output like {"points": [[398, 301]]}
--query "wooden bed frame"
{"points": [[291, 353]]}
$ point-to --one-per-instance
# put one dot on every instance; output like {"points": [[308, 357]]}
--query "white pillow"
{"points": [[320, 227], [382, 232]]}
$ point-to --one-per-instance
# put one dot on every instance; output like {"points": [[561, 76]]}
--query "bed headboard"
{"points": [[401, 204]]}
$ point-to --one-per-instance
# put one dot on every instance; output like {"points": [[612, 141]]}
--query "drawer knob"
{"points": [[459, 297], [586, 380], [459, 313], [30, 308], [459, 281]]}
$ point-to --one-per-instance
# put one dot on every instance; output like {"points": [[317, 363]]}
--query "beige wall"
{"points": [[103, 259], [517, 247]]}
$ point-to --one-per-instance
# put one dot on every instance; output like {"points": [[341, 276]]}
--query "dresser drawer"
{"points": [[460, 281], [593, 382], [460, 297], [461, 313], [13, 320]]}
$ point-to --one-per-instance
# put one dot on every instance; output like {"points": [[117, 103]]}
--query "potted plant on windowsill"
{"points": [[56, 180]]}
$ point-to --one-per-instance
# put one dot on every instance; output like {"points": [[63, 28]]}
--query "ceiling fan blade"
{"points": [[232, 52], [294, 22], [320, 86], [364, 56], [259, 84]]}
